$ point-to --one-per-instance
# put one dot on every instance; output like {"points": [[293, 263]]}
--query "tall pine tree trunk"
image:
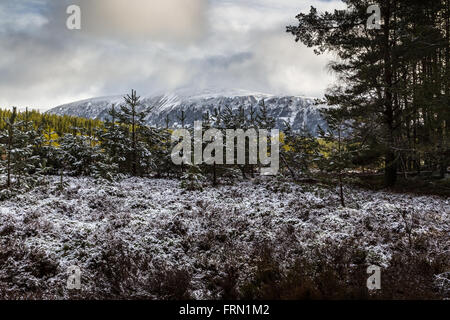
{"points": [[10, 145], [390, 176], [8, 167], [133, 138], [443, 159], [341, 187]]}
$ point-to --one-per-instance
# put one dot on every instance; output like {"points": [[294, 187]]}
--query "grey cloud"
{"points": [[239, 44]]}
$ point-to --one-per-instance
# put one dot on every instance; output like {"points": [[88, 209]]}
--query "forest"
{"points": [[388, 113], [394, 81], [372, 189]]}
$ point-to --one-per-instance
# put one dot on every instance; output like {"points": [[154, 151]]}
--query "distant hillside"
{"points": [[300, 112]]}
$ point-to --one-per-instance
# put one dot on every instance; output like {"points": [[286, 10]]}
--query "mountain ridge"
{"points": [[301, 112]]}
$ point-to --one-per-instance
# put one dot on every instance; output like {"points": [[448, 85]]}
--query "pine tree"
{"points": [[167, 121], [208, 123], [131, 116], [263, 119], [193, 180], [341, 146], [115, 141], [182, 118], [392, 79], [300, 151], [18, 141]]}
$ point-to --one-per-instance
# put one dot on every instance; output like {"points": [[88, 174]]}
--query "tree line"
{"points": [[393, 95], [34, 145]]}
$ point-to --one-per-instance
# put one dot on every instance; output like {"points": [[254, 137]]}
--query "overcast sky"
{"points": [[153, 46]]}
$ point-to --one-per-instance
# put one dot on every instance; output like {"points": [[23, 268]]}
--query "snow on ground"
{"points": [[198, 231]]}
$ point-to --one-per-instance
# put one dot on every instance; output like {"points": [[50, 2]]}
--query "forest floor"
{"points": [[413, 184], [259, 239]]}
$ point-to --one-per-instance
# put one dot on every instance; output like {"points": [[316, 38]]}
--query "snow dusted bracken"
{"points": [[200, 231]]}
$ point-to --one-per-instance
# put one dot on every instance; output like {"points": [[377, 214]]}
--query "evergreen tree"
{"points": [[300, 151], [82, 155], [392, 79], [263, 119], [339, 147], [18, 140], [134, 119], [115, 141]]}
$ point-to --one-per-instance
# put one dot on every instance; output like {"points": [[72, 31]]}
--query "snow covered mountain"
{"points": [[300, 112]]}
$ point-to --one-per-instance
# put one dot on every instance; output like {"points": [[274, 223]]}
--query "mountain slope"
{"points": [[300, 112]]}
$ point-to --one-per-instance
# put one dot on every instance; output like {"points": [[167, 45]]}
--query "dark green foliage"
{"points": [[225, 118], [394, 81], [34, 144], [20, 160], [300, 151], [193, 179], [49, 123], [81, 155]]}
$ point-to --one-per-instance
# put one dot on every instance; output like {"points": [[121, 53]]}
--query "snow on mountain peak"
{"points": [[300, 112]]}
